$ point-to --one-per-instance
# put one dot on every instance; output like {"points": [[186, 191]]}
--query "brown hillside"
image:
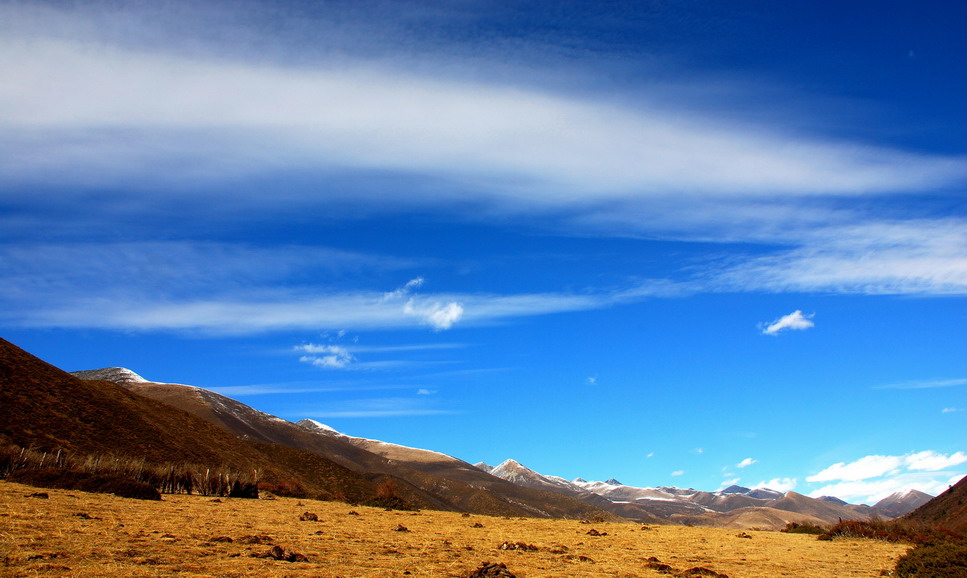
{"points": [[800, 504], [753, 518], [949, 509], [47, 409], [444, 484]]}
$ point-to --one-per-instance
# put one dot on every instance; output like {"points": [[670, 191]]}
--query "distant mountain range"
{"points": [[116, 411], [734, 506]]}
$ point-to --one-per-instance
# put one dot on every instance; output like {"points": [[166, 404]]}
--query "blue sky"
{"points": [[667, 242]]}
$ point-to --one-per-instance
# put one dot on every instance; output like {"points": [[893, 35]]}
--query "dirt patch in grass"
{"points": [[235, 537]]}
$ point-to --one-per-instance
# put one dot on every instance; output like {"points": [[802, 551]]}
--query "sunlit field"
{"points": [[81, 534]]}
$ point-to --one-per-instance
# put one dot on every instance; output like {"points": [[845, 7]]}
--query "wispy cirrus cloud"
{"points": [[515, 145], [746, 463], [560, 149], [222, 288], [379, 407], [918, 257], [925, 384]]}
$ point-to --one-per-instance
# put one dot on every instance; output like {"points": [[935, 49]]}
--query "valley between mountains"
{"points": [[432, 479]]}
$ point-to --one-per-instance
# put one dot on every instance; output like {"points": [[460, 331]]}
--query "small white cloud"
{"points": [[778, 484], [592, 380], [437, 315], [729, 482], [650, 455], [327, 356], [424, 391], [794, 321], [443, 317], [677, 473], [699, 451], [745, 463], [951, 409]]}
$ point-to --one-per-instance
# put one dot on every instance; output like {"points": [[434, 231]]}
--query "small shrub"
{"points": [[803, 528], [285, 488], [388, 496]]}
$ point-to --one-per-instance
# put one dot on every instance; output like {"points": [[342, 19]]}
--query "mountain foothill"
{"points": [[115, 412]]}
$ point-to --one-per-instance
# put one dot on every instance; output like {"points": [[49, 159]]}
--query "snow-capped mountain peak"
{"points": [[114, 374], [317, 426]]}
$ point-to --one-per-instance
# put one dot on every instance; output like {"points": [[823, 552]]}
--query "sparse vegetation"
{"points": [[888, 531], [77, 533], [937, 553], [122, 476]]}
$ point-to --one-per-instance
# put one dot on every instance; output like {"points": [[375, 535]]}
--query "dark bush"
{"points": [[942, 560], [85, 482], [242, 489], [119, 486]]}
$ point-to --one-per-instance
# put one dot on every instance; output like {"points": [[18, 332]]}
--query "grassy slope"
{"points": [[949, 509]]}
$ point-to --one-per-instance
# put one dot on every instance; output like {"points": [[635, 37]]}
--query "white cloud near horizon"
{"points": [[873, 466], [793, 321], [778, 484], [874, 477], [871, 491], [729, 482]]}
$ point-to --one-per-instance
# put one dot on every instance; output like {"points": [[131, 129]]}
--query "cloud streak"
{"points": [[234, 119], [926, 384]]}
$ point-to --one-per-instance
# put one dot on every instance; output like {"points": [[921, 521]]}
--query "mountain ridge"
{"points": [[426, 478]]}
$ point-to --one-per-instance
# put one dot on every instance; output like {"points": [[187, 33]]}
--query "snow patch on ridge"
{"points": [[322, 428]]}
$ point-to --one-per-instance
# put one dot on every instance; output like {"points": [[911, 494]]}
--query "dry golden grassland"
{"points": [[79, 534]]}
